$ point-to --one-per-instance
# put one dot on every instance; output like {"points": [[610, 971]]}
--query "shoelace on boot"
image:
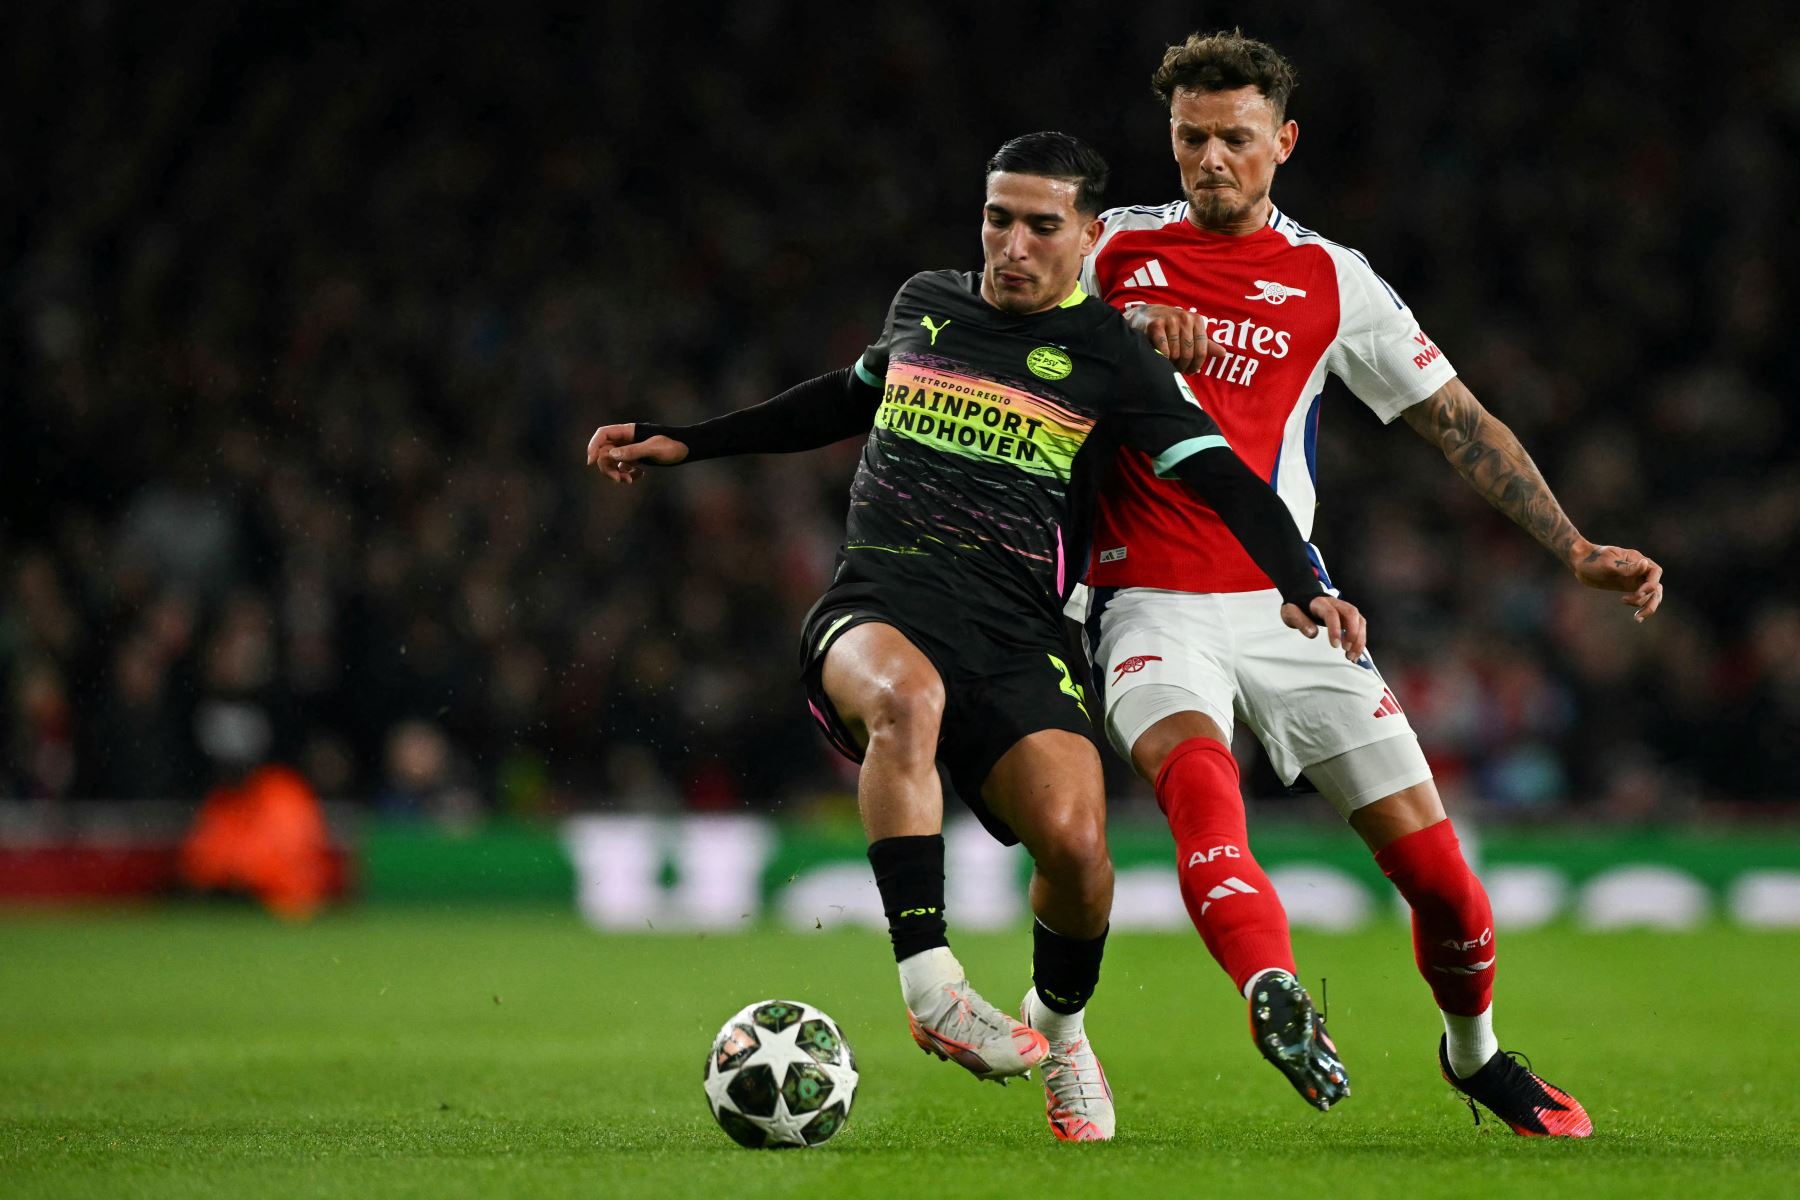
{"points": [[1061, 1070]]}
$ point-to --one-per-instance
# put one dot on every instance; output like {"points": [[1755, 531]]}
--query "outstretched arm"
{"points": [[805, 417], [1485, 452]]}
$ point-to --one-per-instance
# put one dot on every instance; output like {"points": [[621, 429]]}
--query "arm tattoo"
{"points": [[1485, 452]]}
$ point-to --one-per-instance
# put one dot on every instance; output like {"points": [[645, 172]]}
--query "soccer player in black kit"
{"points": [[991, 402]]}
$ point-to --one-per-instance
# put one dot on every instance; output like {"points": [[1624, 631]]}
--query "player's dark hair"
{"points": [[1057, 156], [1223, 62]]}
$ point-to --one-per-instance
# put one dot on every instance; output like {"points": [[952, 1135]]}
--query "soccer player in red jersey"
{"points": [[1256, 310]]}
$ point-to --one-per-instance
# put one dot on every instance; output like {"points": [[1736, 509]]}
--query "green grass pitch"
{"points": [[199, 1053]]}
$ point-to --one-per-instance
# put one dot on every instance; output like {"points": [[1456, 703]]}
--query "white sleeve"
{"points": [[1380, 353]]}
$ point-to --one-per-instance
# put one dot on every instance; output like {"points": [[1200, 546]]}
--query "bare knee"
{"points": [[885, 691], [1393, 817], [1071, 843], [1072, 886], [1155, 744], [902, 717]]}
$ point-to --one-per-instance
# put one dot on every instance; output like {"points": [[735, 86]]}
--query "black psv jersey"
{"points": [[977, 480]]}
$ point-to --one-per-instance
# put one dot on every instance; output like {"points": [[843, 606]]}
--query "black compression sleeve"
{"points": [[1256, 517], [806, 416]]}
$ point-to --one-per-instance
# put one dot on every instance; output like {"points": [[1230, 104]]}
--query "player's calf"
{"points": [[1072, 876], [1453, 936], [1228, 897]]}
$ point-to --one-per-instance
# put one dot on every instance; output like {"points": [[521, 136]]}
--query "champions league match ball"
{"points": [[780, 1074]]}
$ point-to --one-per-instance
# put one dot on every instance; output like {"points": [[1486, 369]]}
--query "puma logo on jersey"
{"points": [[1134, 664], [1149, 275], [935, 329], [1275, 293]]}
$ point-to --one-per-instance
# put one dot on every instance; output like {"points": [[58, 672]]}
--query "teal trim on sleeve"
{"points": [[862, 373], [1175, 455]]}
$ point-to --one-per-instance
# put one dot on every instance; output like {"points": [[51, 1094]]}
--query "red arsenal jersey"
{"points": [[1286, 307]]}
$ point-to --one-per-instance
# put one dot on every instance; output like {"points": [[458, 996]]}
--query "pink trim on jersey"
{"points": [[1284, 307], [1059, 561]]}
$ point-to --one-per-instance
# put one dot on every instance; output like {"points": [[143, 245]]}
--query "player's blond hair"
{"points": [[1222, 62]]}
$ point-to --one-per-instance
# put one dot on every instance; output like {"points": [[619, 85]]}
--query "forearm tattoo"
{"points": [[1485, 452]]}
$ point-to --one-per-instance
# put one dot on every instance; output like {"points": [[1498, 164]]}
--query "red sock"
{"points": [[1453, 926], [1231, 901]]}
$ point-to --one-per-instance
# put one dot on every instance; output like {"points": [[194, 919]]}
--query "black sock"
{"points": [[1065, 969], [910, 873]]}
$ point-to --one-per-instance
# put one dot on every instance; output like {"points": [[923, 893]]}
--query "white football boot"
{"points": [[1077, 1101], [956, 1024]]}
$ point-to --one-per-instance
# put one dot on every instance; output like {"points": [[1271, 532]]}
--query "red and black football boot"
{"points": [[1530, 1106], [1291, 1034]]}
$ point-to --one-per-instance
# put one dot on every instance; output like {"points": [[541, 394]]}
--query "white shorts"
{"points": [[1227, 655]]}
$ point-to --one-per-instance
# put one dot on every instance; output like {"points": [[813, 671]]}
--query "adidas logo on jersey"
{"points": [[1275, 293], [1149, 275]]}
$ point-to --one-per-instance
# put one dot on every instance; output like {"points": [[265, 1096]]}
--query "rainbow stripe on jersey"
{"points": [[928, 401]]}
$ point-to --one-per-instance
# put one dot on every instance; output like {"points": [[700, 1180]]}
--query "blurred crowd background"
{"points": [[309, 309]]}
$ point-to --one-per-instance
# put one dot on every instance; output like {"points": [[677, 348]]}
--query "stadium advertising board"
{"points": [[717, 872]]}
